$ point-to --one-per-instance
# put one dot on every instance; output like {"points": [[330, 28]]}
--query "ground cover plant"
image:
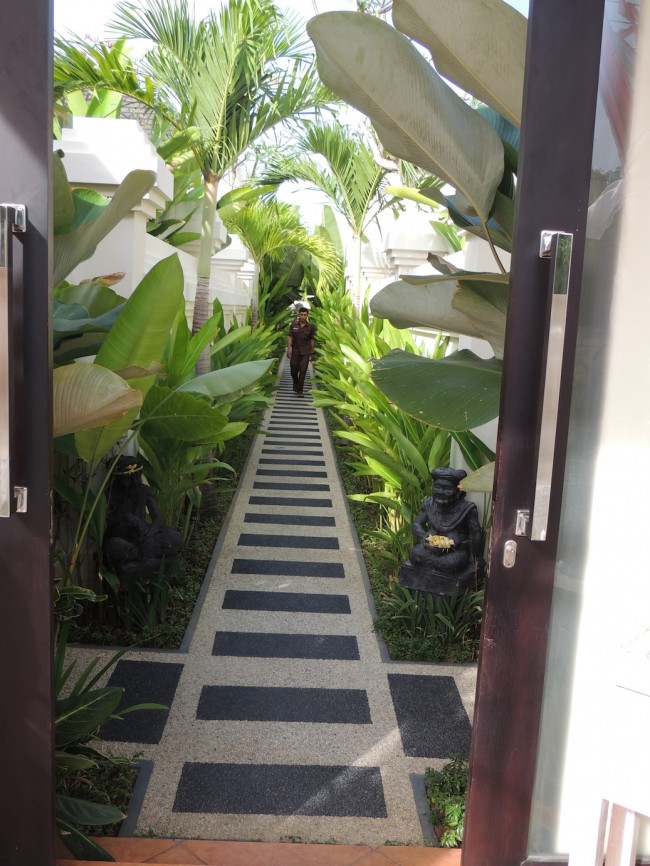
{"points": [[446, 791]]}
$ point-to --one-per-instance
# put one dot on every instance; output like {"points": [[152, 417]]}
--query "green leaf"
{"points": [[480, 481], [80, 845], [182, 416], [85, 812], [73, 762], [62, 206], [470, 304], [485, 303], [459, 392], [480, 45], [424, 305], [74, 247], [417, 116], [81, 715], [87, 396], [139, 336], [230, 380]]}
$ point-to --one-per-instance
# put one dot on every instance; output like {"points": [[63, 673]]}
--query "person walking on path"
{"points": [[300, 348]]}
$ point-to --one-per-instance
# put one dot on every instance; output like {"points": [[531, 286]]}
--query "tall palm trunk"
{"points": [[202, 298]]}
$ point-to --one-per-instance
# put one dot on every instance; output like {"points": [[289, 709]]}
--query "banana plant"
{"points": [[86, 397], [420, 118]]}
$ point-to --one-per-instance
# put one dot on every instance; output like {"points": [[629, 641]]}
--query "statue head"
{"points": [[445, 484], [127, 465]]}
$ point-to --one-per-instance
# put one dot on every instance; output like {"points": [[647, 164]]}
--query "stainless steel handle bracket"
{"points": [[13, 220], [556, 246]]}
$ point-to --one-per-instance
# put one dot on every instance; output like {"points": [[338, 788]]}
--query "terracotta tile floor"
{"points": [[185, 852]]}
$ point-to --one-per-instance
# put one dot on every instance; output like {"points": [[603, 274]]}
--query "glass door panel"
{"points": [[583, 630]]}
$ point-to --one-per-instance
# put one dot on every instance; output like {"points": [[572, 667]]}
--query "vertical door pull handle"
{"points": [[13, 219], [556, 246]]}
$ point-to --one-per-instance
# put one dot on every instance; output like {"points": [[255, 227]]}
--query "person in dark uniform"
{"points": [[300, 348]]}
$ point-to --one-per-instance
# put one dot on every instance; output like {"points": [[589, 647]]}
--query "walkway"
{"points": [[287, 720]]}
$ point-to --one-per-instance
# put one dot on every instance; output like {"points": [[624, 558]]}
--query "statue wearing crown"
{"points": [[449, 553], [137, 545]]}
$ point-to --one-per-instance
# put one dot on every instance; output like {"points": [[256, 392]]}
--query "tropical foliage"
{"points": [[339, 162], [392, 450], [472, 149], [215, 87], [271, 230], [446, 791]]}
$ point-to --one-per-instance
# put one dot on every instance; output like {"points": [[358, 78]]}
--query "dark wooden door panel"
{"points": [[26, 724], [554, 172]]}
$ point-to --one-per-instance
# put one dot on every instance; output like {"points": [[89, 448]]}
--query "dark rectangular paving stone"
{"points": [[288, 459], [295, 473], [285, 435], [292, 452], [143, 682], [291, 417], [281, 485], [289, 519], [285, 501], [430, 714], [281, 789], [293, 443], [284, 704], [288, 568], [306, 542], [294, 602], [270, 645], [298, 425]]}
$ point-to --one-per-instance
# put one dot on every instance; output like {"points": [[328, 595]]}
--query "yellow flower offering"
{"points": [[440, 541]]}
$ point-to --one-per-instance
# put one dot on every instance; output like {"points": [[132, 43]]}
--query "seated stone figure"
{"points": [[450, 548], [137, 545]]}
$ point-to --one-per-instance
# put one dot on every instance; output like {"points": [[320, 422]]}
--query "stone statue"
{"points": [[449, 553], [137, 545]]}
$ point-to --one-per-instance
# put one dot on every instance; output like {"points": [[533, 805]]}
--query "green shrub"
{"points": [[446, 791]]}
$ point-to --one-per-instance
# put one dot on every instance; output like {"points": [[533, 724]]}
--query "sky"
{"points": [[90, 18]]}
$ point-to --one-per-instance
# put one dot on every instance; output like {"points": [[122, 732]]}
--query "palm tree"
{"points": [[348, 173], [269, 229], [216, 86]]}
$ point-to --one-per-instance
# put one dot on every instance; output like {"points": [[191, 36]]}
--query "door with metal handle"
{"points": [[556, 246], [13, 220]]}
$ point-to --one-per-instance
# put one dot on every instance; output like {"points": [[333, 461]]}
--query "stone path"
{"points": [[287, 719]]}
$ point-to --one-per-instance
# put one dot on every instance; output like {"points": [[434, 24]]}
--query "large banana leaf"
{"points": [[417, 116], [423, 305], [74, 247], [86, 395], [485, 303], [458, 392], [139, 336], [470, 304], [187, 417], [229, 380], [137, 339], [480, 481], [484, 55]]}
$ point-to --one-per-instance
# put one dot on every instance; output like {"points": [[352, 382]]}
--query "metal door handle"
{"points": [[557, 246], [13, 218]]}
